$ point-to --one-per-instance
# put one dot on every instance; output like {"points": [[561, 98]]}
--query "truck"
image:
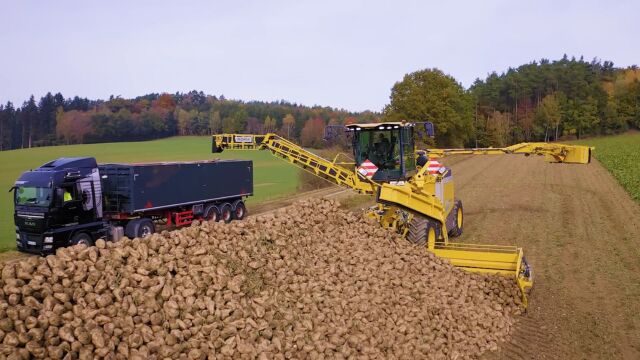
{"points": [[71, 201]]}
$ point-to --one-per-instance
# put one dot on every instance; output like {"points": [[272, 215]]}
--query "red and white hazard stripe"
{"points": [[434, 166], [367, 168]]}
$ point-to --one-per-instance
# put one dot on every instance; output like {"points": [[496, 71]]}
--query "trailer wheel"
{"points": [[226, 214], [146, 228], [211, 213], [240, 211], [81, 238], [139, 228]]}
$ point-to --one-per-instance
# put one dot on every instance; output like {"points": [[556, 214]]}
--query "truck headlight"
{"points": [[48, 240], [17, 236]]}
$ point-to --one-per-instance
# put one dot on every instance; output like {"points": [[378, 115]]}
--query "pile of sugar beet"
{"points": [[308, 281]]}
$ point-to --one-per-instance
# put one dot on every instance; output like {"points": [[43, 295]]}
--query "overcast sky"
{"points": [[345, 54]]}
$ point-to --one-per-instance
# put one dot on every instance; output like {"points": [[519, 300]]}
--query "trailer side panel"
{"points": [[138, 188]]}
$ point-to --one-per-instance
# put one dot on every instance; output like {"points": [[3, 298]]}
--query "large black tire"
{"points": [[139, 228], [146, 228], [420, 230], [226, 213], [458, 220], [212, 213], [239, 210], [81, 238]]}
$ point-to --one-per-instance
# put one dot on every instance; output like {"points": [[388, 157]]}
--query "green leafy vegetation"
{"points": [[272, 177], [621, 156]]}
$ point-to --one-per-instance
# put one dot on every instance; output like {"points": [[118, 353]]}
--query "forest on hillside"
{"points": [[547, 100], [540, 101], [54, 120]]}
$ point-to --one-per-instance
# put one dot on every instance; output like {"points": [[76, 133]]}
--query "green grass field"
{"points": [[620, 154], [272, 177]]}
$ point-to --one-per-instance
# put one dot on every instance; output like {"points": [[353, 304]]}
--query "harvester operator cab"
{"points": [[385, 152]]}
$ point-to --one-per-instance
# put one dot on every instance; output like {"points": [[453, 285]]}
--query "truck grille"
{"points": [[31, 242]]}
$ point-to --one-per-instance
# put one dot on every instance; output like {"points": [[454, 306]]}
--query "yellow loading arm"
{"points": [[331, 171], [406, 195], [553, 152]]}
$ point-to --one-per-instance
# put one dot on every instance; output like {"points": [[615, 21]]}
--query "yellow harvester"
{"points": [[413, 198]]}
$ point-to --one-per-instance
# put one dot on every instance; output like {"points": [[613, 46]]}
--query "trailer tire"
{"points": [[226, 213], [239, 210], [81, 238], [212, 213], [145, 228]]}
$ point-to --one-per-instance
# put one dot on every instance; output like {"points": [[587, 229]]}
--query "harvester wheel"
{"points": [[422, 231], [417, 233], [458, 220]]}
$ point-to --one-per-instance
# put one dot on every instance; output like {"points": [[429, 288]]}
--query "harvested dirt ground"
{"points": [[581, 232]]}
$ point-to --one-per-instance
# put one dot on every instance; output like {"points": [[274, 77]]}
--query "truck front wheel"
{"points": [[81, 238]]}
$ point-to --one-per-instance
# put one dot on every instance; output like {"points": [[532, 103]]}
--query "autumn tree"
{"points": [[430, 95], [312, 132], [549, 115], [73, 126], [288, 123], [184, 121], [254, 126], [497, 129], [215, 122], [269, 124]]}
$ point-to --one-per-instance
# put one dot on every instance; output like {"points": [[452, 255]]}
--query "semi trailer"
{"points": [[72, 201]]}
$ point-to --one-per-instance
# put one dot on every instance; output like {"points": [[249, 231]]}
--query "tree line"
{"points": [[54, 120], [540, 101]]}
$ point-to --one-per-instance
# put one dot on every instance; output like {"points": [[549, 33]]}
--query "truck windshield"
{"points": [[33, 196]]}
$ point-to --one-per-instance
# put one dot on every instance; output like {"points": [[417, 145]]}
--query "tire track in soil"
{"points": [[581, 232]]}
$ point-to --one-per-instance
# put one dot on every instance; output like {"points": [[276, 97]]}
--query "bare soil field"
{"points": [[581, 232]]}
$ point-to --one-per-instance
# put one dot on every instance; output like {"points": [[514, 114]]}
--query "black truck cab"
{"points": [[57, 204]]}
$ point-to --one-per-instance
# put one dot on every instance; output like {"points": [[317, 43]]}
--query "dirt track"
{"points": [[581, 233]]}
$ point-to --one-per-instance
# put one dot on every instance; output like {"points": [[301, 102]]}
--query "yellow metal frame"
{"points": [[553, 152]]}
